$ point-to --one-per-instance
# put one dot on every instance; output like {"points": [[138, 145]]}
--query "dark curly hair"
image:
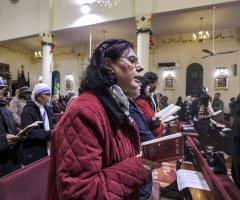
{"points": [[151, 75], [96, 75]]}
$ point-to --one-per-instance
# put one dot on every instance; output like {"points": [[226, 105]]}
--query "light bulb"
{"points": [[85, 8]]}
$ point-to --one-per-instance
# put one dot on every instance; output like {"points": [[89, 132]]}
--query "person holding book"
{"points": [[95, 147], [202, 122], [218, 105], [36, 109], [142, 103], [152, 98], [10, 154], [144, 127]]}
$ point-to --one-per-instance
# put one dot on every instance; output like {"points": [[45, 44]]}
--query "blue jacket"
{"points": [[144, 126], [145, 135]]}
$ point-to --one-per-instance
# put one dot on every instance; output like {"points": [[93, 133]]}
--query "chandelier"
{"points": [[201, 36], [108, 3]]}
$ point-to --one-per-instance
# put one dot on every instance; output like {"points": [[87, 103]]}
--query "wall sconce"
{"points": [[85, 8], [40, 79], [221, 69], [38, 54]]}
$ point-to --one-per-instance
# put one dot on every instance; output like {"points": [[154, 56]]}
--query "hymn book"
{"points": [[171, 118], [167, 112], [168, 148], [29, 128]]}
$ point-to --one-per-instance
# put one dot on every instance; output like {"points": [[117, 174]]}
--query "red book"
{"points": [[168, 148]]}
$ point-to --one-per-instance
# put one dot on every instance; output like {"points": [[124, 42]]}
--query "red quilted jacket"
{"points": [[149, 113], [92, 157]]}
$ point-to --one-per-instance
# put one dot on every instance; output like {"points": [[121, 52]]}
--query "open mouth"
{"points": [[136, 78]]}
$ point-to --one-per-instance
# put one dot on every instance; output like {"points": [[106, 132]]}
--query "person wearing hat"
{"points": [[10, 154], [36, 109], [18, 103], [142, 103]]}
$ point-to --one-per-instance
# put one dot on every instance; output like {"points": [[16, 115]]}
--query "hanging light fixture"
{"points": [[38, 54], [108, 3], [201, 36]]}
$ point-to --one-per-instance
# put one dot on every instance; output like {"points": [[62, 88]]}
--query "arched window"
{"points": [[194, 80], [56, 83]]}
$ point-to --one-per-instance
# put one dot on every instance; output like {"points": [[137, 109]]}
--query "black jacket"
{"points": [[235, 144], [10, 157], [151, 104], [57, 108], [35, 146]]}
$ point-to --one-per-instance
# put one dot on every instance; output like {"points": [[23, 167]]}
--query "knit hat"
{"points": [[24, 89], [39, 89], [1, 82]]}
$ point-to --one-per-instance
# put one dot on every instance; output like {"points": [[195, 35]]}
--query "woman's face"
{"points": [[126, 72], [134, 93], [147, 90]]}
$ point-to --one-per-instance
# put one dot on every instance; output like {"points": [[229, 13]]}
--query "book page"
{"points": [[164, 111], [172, 111], [217, 112], [163, 138], [193, 179], [170, 118]]}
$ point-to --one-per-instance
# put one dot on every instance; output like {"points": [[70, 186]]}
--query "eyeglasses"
{"points": [[132, 59], [153, 82]]}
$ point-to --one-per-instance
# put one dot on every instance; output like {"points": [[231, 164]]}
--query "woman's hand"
{"points": [[148, 164], [156, 120], [12, 139]]}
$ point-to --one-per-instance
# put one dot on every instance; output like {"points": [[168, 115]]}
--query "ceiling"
{"points": [[227, 18]]}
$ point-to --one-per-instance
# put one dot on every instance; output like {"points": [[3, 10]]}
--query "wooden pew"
{"points": [[221, 186], [28, 183]]}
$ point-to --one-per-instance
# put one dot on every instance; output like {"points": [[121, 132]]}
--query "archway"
{"points": [[194, 79], [56, 83]]}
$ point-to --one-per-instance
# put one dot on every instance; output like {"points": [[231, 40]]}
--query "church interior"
{"points": [[192, 46]]}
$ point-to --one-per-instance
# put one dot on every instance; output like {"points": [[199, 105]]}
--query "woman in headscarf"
{"points": [[36, 109], [95, 145], [10, 154]]}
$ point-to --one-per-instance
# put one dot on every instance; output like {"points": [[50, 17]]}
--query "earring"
{"points": [[110, 71]]}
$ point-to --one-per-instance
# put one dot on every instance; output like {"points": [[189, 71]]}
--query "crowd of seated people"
{"points": [[97, 141]]}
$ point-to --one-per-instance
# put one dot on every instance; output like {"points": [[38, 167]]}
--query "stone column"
{"points": [[144, 23], [47, 57]]}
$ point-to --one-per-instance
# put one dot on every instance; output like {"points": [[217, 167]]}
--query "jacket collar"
{"points": [[112, 106]]}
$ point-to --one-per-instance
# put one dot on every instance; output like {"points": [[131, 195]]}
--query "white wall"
{"points": [[31, 17], [189, 53]]}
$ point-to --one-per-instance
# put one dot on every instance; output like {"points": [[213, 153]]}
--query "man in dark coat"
{"points": [[152, 99], [218, 105], [10, 154], [57, 108], [35, 147], [235, 144]]}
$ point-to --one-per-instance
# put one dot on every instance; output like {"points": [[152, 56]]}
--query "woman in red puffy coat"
{"points": [[95, 146], [145, 107]]}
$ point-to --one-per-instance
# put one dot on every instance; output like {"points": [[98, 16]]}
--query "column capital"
{"points": [[47, 37], [144, 21]]}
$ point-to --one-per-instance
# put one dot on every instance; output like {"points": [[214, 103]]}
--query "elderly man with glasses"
{"points": [[37, 144]]}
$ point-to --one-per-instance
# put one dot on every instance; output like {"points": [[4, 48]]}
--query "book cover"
{"points": [[167, 149]]}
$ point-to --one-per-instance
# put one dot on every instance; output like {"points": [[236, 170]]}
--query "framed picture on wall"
{"points": [[69, 84], [221, 81], [168, 82]]}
